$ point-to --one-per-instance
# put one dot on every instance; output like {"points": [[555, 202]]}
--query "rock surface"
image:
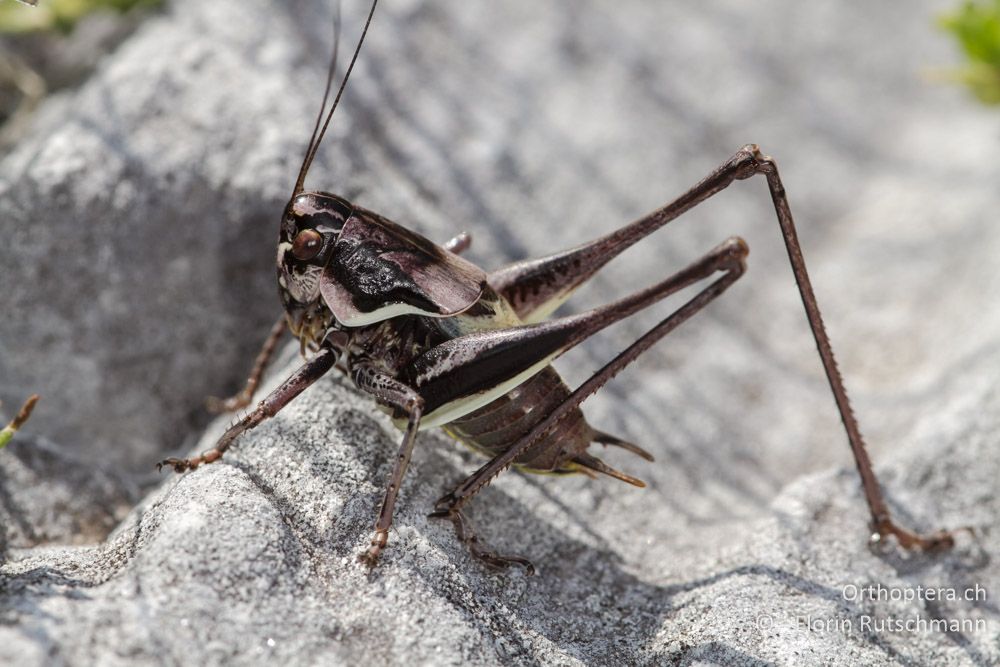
{"points": [[140, 213]]}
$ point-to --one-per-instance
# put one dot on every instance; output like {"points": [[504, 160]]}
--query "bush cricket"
{"points": [[437, 341]]}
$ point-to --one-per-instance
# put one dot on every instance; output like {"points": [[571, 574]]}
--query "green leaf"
{"points": [[976, 27], [8, 431], [61, 15]]}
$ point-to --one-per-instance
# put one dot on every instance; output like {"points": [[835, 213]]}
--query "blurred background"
{"points": [[148, 149]]}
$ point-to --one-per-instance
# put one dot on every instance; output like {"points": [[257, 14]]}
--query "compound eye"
{"points": [[307, 244]]}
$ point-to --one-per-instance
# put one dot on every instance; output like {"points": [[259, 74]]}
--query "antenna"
{"points": [[315, 140]]}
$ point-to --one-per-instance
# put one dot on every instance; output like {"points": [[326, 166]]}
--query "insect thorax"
{"points": [[393, 344]]}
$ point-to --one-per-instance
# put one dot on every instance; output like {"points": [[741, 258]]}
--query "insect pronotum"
{"points": [[437, 341]]}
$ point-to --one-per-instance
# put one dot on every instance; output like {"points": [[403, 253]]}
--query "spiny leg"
{"points": [[728, 257], [882, 522], [242, 399], [537, 287], [405, 400], [306, 375]]}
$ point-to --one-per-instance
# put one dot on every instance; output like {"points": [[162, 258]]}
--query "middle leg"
{"points": [[403, 400]]}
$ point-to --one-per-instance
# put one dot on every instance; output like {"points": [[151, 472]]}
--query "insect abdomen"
{"points": [[501, 423], [495, 427]]}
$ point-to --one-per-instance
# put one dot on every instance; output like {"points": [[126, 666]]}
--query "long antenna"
{"points": [[315, 140], [326, 93]]}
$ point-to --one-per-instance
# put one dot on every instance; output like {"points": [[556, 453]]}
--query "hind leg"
{"points": [[537, 287], [728, 257], [479, 550]]}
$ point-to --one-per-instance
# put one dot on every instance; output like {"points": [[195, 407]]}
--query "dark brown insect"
{"points": [[437, 341]]}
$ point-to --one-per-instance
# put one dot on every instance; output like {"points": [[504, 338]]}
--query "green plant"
{"points": [[976, 26], [61, 15], [8, 431]]}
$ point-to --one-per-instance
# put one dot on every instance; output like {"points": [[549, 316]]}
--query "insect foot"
{"points": [[480, 551], [942, 540], [370, 556], [183, 465]]}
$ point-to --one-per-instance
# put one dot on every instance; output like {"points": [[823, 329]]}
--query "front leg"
{"points": [[242, 399], [307, 374], [405, 401]]}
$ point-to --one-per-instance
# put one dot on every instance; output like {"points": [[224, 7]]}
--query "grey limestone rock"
{"points": [[140, 212]]}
